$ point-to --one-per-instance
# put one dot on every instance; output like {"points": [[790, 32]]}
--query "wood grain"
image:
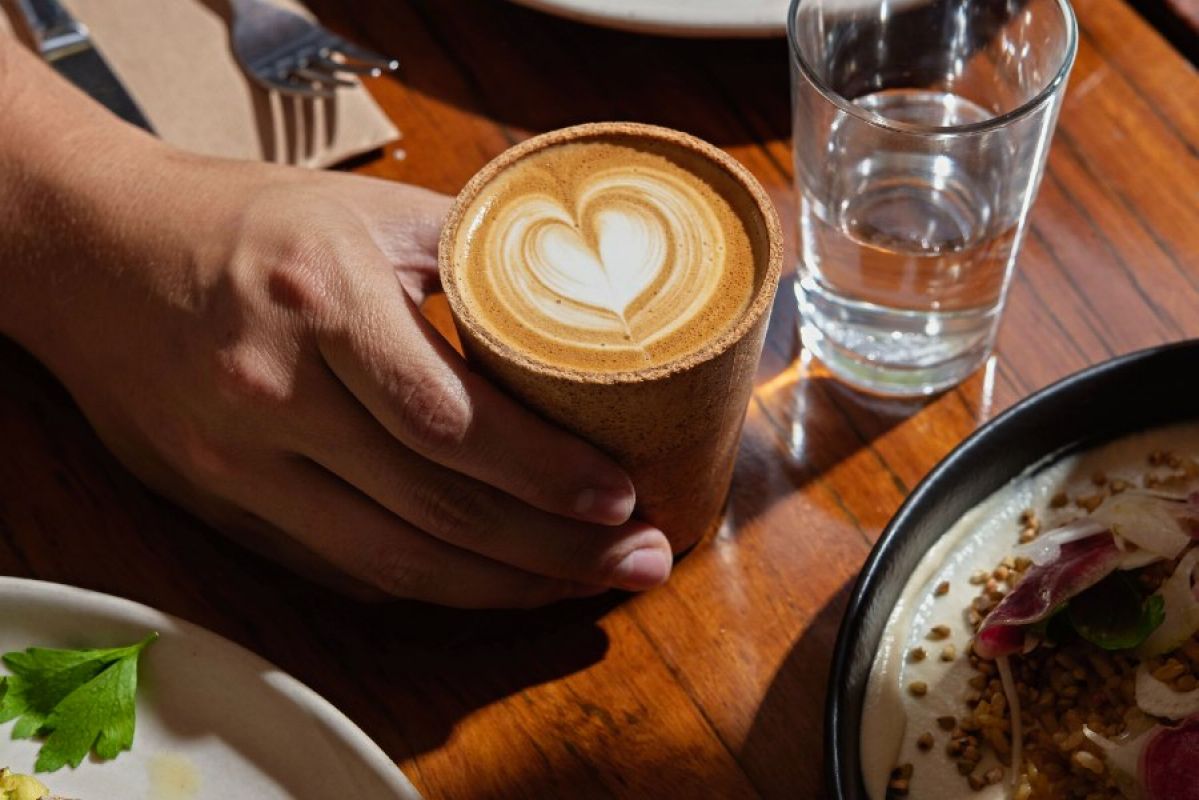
{"points": [[713, 685]]}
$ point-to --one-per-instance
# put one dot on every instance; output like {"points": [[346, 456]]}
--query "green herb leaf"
{"points": [[77, 699], [1114, 615]]}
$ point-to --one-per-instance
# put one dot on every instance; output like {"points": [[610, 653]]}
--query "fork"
{"points": [[284, 51]]}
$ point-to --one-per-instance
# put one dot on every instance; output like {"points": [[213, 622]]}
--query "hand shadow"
{"points": [[405, 672]]}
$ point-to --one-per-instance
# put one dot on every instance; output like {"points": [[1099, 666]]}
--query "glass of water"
{"points": [[920, 133]]}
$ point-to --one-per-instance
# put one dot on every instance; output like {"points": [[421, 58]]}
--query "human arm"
{"points": [[246, 339]]}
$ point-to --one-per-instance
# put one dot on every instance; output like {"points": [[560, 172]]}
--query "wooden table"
{"points": [[712, 686]]}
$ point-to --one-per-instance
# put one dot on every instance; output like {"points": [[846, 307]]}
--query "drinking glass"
{"points": [[920, 134]]}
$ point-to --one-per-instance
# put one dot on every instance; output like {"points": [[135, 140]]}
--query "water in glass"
{"points": [[904, 258]]}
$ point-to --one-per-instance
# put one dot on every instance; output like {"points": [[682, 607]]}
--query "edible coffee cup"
{"points": [[674, 427]]}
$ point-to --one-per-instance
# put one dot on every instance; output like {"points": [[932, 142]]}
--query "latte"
{"points": [[609, 255], [617, 278]]}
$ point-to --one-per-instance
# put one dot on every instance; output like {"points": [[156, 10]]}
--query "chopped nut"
{"points": [[925, 742], [994, 775], [1119, 485], [918, 688], [982, 604], [1090, 502], [939, 633], [977, 782], [942, 589], [1169, 671], [1088, 761], [947, 723], [998, 743], [1059, 500], [979, 577], [916, 654], [898, 787], [949, 653]]}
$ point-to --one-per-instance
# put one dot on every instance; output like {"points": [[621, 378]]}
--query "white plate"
{"points": [[214, 721], [676, 17]]}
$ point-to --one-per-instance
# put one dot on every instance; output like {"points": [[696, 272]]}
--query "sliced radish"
{"points": [[1123, 758], [1161, 700], [1169, 765], [1149, 522], [1047, 548], [1181, 606], [1078, 565]]}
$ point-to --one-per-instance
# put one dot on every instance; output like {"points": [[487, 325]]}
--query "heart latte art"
{"points": [[601, 256]]}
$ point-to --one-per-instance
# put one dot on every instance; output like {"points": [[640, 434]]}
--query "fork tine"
{"points": [[291, 86], [320, 77], [361, 54], [332, 65]]}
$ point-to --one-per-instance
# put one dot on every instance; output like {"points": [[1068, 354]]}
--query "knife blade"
{"points": [[66, 45]]}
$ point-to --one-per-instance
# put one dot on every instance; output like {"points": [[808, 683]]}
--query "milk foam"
{"points": [[601, 256]]}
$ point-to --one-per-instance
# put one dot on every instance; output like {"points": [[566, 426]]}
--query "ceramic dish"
{"points": [[214, 721], [1136, 392], [675, 17]]}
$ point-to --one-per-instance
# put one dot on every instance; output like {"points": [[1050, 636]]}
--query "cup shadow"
{"points": [[784, 748], [802, 423]]}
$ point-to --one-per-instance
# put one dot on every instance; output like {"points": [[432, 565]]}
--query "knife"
{"points": [[67, 46]]}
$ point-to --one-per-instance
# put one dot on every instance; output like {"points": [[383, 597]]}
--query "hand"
{"points": [[247, 339]]}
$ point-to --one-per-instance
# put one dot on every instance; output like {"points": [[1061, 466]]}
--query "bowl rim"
{"points": [[838, 773]]}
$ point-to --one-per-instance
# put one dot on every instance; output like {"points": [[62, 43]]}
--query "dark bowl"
{"points": [[1143, 390]]}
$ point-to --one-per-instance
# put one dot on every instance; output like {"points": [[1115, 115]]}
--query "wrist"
{"points": [[64, 204], [56, 159]]}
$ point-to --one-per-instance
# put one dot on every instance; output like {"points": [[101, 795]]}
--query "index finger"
{"points": [[423, 393]]}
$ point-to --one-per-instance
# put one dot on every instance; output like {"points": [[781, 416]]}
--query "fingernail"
{"points": [[642, 569], [605, 506]]}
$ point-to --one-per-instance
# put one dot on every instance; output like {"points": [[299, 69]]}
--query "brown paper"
{"points": [[174, 58]]}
